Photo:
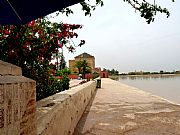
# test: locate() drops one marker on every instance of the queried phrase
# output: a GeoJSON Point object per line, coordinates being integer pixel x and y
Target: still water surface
{"type": "Point", "coordinates": [164, 86]}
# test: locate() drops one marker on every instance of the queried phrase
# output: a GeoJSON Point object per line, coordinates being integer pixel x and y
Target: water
{"type": "Point", "coordinates": [165, 86]}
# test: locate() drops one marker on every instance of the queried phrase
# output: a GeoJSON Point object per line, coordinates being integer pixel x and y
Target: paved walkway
{"type": "Point", "coordinates": [74, 82]}
{"type": "Point", "coordinates": [118, 109]}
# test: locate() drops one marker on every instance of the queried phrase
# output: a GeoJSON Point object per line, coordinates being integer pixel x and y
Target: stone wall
{"type": "Point", "coordinates": [71, 66]}
{"type": "Point", "coordinates": [55, 115]}
{"type": "Point", "coordinates": [60, 113]}
{"type": "Point", "coordinates": [17, 102]}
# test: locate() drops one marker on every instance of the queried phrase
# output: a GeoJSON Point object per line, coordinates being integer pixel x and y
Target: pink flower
{"type": "Point", "coordinates": [31, 23]}
{"type": "Point", "coordinates": [60, 35]}
{"type": "Point", "coordinates": [60, 45]}
{"type": "Point", "coordinates": [7, 32]}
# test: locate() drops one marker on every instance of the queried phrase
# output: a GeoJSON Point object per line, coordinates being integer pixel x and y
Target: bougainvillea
{"type": "Point", "coordinates": [32, 46]}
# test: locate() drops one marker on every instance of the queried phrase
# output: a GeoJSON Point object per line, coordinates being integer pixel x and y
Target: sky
{"type": "Point", "coordinates": [119, 38]}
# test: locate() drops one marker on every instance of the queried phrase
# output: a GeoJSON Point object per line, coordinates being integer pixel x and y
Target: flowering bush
{"type": "Point", "coordinates": [32, 46]}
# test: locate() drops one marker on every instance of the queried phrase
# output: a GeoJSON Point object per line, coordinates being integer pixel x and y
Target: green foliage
{"type": "Point", "coordinates": [176, 72]}
{"type": "Point", "coordinates": [87, 8]}
{"type": "Point", "coordinates": [60, 60]}
{"type": "Point", "coordinates": [65, 79]}
{"type": "Point", "coordinates": [112, 71]}
{"type": "Point", "coordinates": [147, 10]}
{"type": "Point", "coordinates": [85, 68]}
{"type": "Point", "coordinates": [62, 72]}
{"type": "Point", "coordinates": [95, 75]}
{"type": "Point", "coordinates": [82, 67]}
{"type": "Point", "coordinates": [151, 73]}
{"type": "Point", "coordinates": [88, 70]}
{"type": "Point", "coordinates": [67, 11]}
{"type": "Point", "coordinates": [78, 65]}
{"type": "Point", "coordinates": [67, 71]}
{"type": "Point", "coordinates": [52, 85]}
{"type": "Point", "coordinates": [65, 82]}
{"type": "Point", "coordinates": [48, 87]}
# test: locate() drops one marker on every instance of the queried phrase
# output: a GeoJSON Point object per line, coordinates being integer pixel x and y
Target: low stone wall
{"type": "Point", "coordinates": [60, 113]}
{"type": "Point", "coordinates": [17, 102]}
{"type": "Point", "coordinates": [55, 115]}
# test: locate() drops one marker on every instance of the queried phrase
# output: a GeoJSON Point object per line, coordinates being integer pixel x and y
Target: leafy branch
{"type": "Point", "coordinates": [147, 10]}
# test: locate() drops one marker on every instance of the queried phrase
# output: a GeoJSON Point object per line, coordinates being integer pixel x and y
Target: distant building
{"type": "Point", "coordinates": [91, 63]}
{"type": "Point", "coordinates": [104, 74]}
{"type": "Point", "coordinates": [84, 56]}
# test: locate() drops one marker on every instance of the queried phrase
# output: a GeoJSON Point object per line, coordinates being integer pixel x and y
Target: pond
{"type": "Point", "coordinates": [166, 86]}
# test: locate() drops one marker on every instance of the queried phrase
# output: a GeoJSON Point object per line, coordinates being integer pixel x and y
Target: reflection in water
{"type": "Point", "coordinates": [146, 77]}
{"type": "Point", "coordinates": [166, 86]}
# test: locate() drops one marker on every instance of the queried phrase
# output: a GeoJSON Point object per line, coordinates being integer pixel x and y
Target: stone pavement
{"type": "Point", "coordinates": [74, 82]}
{"type": "Point", "coordinates": [118, 109]}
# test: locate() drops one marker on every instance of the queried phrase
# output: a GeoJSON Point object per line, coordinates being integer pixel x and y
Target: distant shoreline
{"type": "Point", "coordinates": [115, 77]}
{"type": "Point", "coordinates": [154, 75]}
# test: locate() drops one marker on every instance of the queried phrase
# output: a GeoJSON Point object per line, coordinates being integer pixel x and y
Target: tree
{"type": "Point", "coordinates": [161, 71]}
{"type": "Point", "coordinates": [78, 65]}
{"type": "Point", "coordinates": [60, 61]}
{"type": "Point", "coordinates": [116, 72]}
{"type": "Point", "coordinates": [62, 64]}
{"type": "Point", "coordinates": [104, 69]}
{"type": "Point", "coordinates": [85, 68]}
{"type": "Point", "coordinates": [112, 71]}
{"type": "Point", "coordinates": [82, 67]}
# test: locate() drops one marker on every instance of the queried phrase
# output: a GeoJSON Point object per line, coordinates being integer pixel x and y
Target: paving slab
{"type": "Point", "coordinates": [119, 109]}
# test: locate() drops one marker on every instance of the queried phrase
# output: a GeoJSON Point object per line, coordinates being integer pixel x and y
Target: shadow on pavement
{"type": "Point", "coordinates": [79, 127]}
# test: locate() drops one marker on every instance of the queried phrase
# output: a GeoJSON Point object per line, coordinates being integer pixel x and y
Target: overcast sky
{"type": "Point", "coordinates": [119, 38]}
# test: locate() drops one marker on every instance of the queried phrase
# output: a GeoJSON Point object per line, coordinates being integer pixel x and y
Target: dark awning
{"type": "Point", "coordinates": [23, 11]}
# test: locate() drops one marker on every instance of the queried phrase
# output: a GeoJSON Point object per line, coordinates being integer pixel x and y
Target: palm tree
{"type": "Point", "coordinates": [85, 68]}
{"type": "Point", "coordinates": [82, 67]}
{"type": "Point", "coordinates": [78, 65]}
{"type": "Point", "coordinates": [60, 60]}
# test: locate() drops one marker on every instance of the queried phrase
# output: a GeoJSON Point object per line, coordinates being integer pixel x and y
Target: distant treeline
{"type": "Point", "coordinates": [150, 73]}
{"type": "Point", "coordinates": [112, 71]}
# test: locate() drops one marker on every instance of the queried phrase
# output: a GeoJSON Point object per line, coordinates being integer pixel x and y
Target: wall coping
{"type": "Point", "coordinates": [14, 79]}
{"type": "Point", "coordinates": [9, 69]}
